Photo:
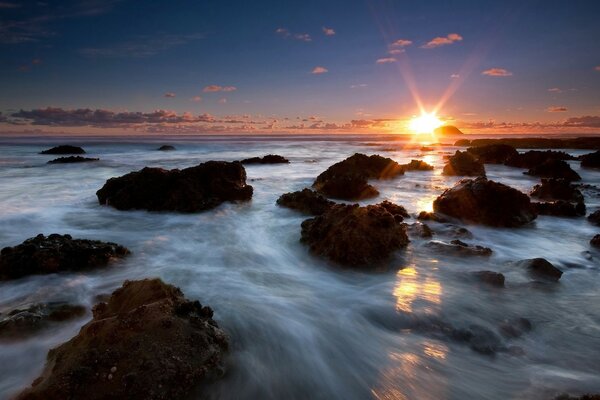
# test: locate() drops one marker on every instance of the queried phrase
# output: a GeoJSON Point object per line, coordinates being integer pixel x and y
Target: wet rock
{"type": "Point", "coordinates": [398, 211]}
{"type": "Point", "coordinates": [64, 149]}
{"type": "Point", "coordinates": [594, 217]}
{"type": "Point", "coordinates": [166, 147]}
{"type": "Point", "coordinates": [554, 169]}
{"type": "Point", "coordinates": [560, 208]}
{"type": "Point", "coordinates": [417, 165]}
{"type": "Point", "coordinates": [585, 142]}
{"type": "Point", "coordinates": [56, 253]}
{"type": "Point", "coordinates": [533, 158]}
{"type": "Point", "coordinates": [583, 397]}
{"type": "Point", "coordinates": [595, 241]}
{"type": "Point", "coordinates": [486, 202]}
{"type": "Point", "coordinates": [557, 189]}
{"type": "Point", "coordinates": [306, 201]}
{"type": "Point", "coordinates": [458, 247]}
{"type": "Point", "coordinates": [463, 164]}
{"type": "Point", "coordinates": [479, 338]}
{"type": "Point", "coordinates": [493, 153]}
{"type": "Point", "coordinates": [491, 278]}
{"type": "Point", "coordinates": [72, 159]}
{"type": "Point", "coordinates": [193, 189]}
{"type": "Point", "coordinates": [268, 159]}
{"type": "Point", "coordinates": [591, 160]}
{"type": "Point", "coordinates": [22, 323]}
{"type": "Point", "coordinates": [348, 179]}
{"type": "Point", "coordinates": [514, 328]}
{"type": "Point", "coordinates": [420, 230]}
{"type": "Point", "coordinates": [541, 268]}
{"type": "Point", "coordinates": [355, 236]}
{"type": "Point", "coordinates": [147, 342]}
{"type": "Point", "coordinates": [459, 232]}
{"type": "Point", "coordinates": [431, 216]}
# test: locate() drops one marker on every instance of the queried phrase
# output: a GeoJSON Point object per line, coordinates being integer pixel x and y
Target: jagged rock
{"type": "Point", "coordinates": [595, 241]}
{"type": "Point", "coordinates": [147, 342]}
{"type": "Point", "coordinates": [72, 159]}
{"type": "Point", "coordinates": [22, 323]}
{"type": "Point", "coordinates": [557, 189]}
{"type": "Point", "coordinates": [306, 200]}
{"type": "Point", "coordinates": [398, 211]}
{"type": "Point", "coordinates": [464, 164]}
{"type": "Point", "coordinates": [554, 169]}
{"type": "Point", "coordinates": [491, 278]}
{"type": "Point", "coordinates": [355, 236]}
{"type": "Point", "coordinates": [533, 158]}
{"type": "Point", "coordinates": [431, 216]}
{"type": "Point", "coordinates": [268, 159]}
{"type": "Point", "coordinates": [64, 149]}
{"type": "Point", "coordinates": [493, 153]}
{"type": "Point", "coordinates": [193, 189]}
{"type": "Point", "coordinates": [166, 147]}
{"type": "Point", "coordinates": [560, 208]}
{"type": "Point", "coordinates": [417, 165]}
{"type": "Point", "coordinates": [420, 230]}
{"type": "Point", "coordinates": [591, 160]}
{"type": "Point", "coordinates": [541, 268]}
{"type": "Point", "coordinates": [594, 217]}
{"type": "Point", "coordinates": [486, 202]}
{"type": "Point", "coordinates": [461, 248]}
{"type": "Point", "coordinates": [56, 253]}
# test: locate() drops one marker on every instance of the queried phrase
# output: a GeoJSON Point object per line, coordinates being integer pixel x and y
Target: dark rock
{"type": "Point", "coordinates": [591, 160]}
{"type": "Point", "coordinates": [595, 241]}
{"type": "Point", "coordinates": [56, 253]}
{"type": "Point", "coordinates": [417, 165]}
{"type": "Point", "coordinates": [533, 158]}
{"type": "Point", "coordinates": [166, 147]}
{"type": "Point", "coordinates": [459, 232]}
{"type": "Point", "coordinates": [147, 342]}
{"type": "Point", "coordinates": [462, 142]}
{"type": "Point", "coordinates": [447, 130]}
{"type": "Point", "coordinates": [557, 189]}
{"type": "Point", "coordinates": [514, 328]}
{"type": "Point", "coordinates": [64, 149]}
{"type": "Point", "coordinates": [21, 323]}
{"type": "Point", "coordinates": [583, 397]}
{"type": "Point", "coordinates": [460, 248]}
{"type": "Point", "coordinates": [560, 208]}
{"type": "Point", "coordinates": [463, 164]}
{"type": "Point", "coordinates": [193, 189]}
{"type": "Point", "coordinates": [594, 217]}
{"type": "Point", "coordinates": [554, 169]}
{"type": "Point", "coordinates": [398, 211]}
{"type": "Point", "coordinates": [493, 153]}
{"type": "Point", "coordinates": [486, 202]}
{"type": "Point", "coordinates": [489, 277]}
{"type": "Point", "coordinates": [586, 142]}
{"type": "Point", "coordinates": [307, 201]}
{"type": "Point", "coordinates": [353, 235]}
{"type": "Point", "coordinates": [420, 230]}
{"type": "Point", "coordinates": [348, 179]}
{"type": "Point", "coordinates": [431, 216]}
{"type": "Point", "coordinates": [542, 268]}
{"type": "Point", "coordinates": [72, 159]}
{"type": "Point", "coordinates": [268, 159]}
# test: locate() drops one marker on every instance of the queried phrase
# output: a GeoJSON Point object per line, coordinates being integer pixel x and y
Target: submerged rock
{"type": "Point", "coordinates": [515, 327]}
{"type": "Point", "coordinates": [193, 189]}
{"type": "Point", "coordinates": [464, 164]}
{"type": "Point", "coordinates": [64, 149]}
{"type": "Point", "coordinates": [431, 216]}
{"type": "Point", "coordinates": [146, 342]}
{"type": "Point", "coordinates": [306, 200]}
{"type": "Point", "coordinates": [268, 159]}
{"type": "Point", "coordinates": [355, 236]}
{"type": "Point", "coordinates": [541, 268]}
{"type": "Point", "coordinates": [348, 179]}
{"type": "Point", "coordinates": [56, 253]}
{"type": "Point", "coordinates": [534, 158]}
{"type": "Point", "coordinates": [493, 153]}
{"type": "Point", "coordinates": [554, 169]}
{"type": "Point", "coordinates": [557, 189]}
{"type": "Point", "coordinates": [594, 217]}
{"type": "Point", "coordinates": [486, 202]}
{"type": "Point", "coordinates": [22, 323]}
{"type": "Point", "coordinates": [421, 230]}
{"type": "Point", "coordinates": [591, 160]}
{"type": "Point", "coordinates": [461, 248]}
{"type": "Point", "coordinates": [489, 277]}
{"type": "Point", "coordinates": [417, 165]}
{"type": "Point", "coordinates": [72, 159]}
{"type": "Point", "coordinates": [166, 147]}
{"type": "Point", "coordinates": [595, 241]}
{"type": "Point", "coordinates": [560, 208]}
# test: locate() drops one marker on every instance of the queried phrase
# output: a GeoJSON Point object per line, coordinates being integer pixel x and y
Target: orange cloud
{"type": "Point", "coordinates": [396, 51]}
{"type": "Point", "coordinates": [402, 43]}
{"type": "Point", "coordinates": [497, 72]}
{"type": "Point", "coordinates": [555, 90]}
{"type": "Point", "coordinates": [386, 60]}
{"type": "Point", "coordinates": [217, 88]}
{"type": "Point", "coordinates": [319, 70]}
{"type": "Point", "coordinates": [556, 109]}
{"type": "Point", "coordinates": [196, 99]}
{"type": "Point", "coordinates": [442, 41]}
{"type": "Point", "coordinates": [328, 31]}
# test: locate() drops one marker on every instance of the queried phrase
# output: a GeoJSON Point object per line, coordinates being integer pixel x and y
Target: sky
{"type": "Point", "coordinates": [198, 67]}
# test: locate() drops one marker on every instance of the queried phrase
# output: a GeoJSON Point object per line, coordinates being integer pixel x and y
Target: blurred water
{"type": "Point", "coordinates": [301, 328]}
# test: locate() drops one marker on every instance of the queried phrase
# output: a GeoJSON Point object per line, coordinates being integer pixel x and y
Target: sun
{"type": "Point", "coordinates": [424, 124]}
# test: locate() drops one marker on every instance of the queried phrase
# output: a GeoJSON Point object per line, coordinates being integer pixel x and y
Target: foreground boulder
{"type": "Point", "coordinates": [146, 342]}
{"type": "Point", "coordinates": [541, 268]}
{"type": "Point", "coordinates": [493, 153]}
{"type": "Point", "coordinates": [64, 149]}
{"type": "Point", "coordinates": [554, 169]}
{"type": "Point", "coordinates": [557, 189]}
{"type": "Point", "coordinates": [591, 160]}
{"type": "Point", "coordinates": [22, 323]}
{"type": "Point", "coordinates": [306, 201]}
{"type": "Point", "coordinates": [268, 159]}
{"type": "Point", "coordinates": [56, 253]}
{"type": "Point", "coordinates": [594, 217]}
{"type": "Point", "coordinates": [355, 236]}
{"type": "Point", "coordinates": [198, 188]}
{"type": "Point", "coordinates": [166, 147]}
{"type": "Point", "coordinates": [534, 158]}
{"type": "Point", "coordinates": [348, 179]}
{"type": "Point", "coordinates": [464, 164]}
{"type": "Point", "coordinates": [72, 159]}
{"type": "Point", "coordinates": [486, 202]}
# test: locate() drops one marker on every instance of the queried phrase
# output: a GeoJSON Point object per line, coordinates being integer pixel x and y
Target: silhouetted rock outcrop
{"type": "Point", "coordinates": [560, 208]}
{"type": "Point", "coordinates": [586, 142]}
{"type": "Point", "coordinates": [489, 277]}
{"type": "Point", "coordinates": [557, 189]}
{"type": "Point", "coordinates": [193, 189]}
{"type": "Point", "coordinates": [268, 159]}
{"type": "Point", "coordinates": [541, 268]}
{"type": "Point", "coordinates": [166, 147]}
{"type": "Point", "coordinates": [486, 202]}
{"type": "Point", "coordinates": [417, 165]}
{"type": "Point", "coordinates": [554, 169]}
{"type": "Point", "coordinates": [591, 160]}
{"type": "Point", "coordinates": [306, 200]}
{"type": "Point", "coordinates": [493, 153]}
{"type": "Point", "coordinates": [24, 322]}
{"type": "Point", "coordinates": [533, 158]}
{"type": "Point", "coordinates": [462, 142]}
{"type": "Point", "coordinates": [64, 149]}
{"type": "Point", "coordinates": [594, 217]}
{"type": "Point", "coordinates": [464, 164]}
{"type": "Point", "coordinates": [56, 253]}
{"type": "Point", "coordinates": [72, 159]}
{"type": "Point", "coordinates": [146, 342]}
{"type": "Point", "coordinates": [447, 130]}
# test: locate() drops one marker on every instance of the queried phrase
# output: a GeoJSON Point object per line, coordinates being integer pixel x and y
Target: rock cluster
{"type": "Point", "coordinates": [306, 201]}
{"type": "Point", "coordinates": [268, 159]}
{"type": "Point", "coordinates": [64, 149]}
{"type": "Point", "coordinates": [463, 163]}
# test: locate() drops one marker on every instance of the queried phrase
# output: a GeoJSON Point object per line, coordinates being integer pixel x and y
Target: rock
{"type": "Point", "coordinates": [586, 142]}
{"type": "Point", "coordinates": [268, 159]}
{"type": "Point", "coordinates": [557, 189]}
{"type": "Point", "coordinates": [583, 397]}
{"type": "Point", "coordinates": [166, 147]}
{"type": "Point", "coordinates": [348, 179]}
{"type": "Point", "coordinates": [591, 160]}
{"type": "Point", "coordinates": [594, 217]}
{"type": "Point", "coordinates": [460, 248]}
{"type": "Point", "coordinates": [64, 149]}
{"type": "Point", "coordinates": [417, 165]}
{"type": "Point", "coordinates": [431, 216]}
{"type": "Point", "coordinates": [307, 201]}
{"type": "Point", "coordinates": [465, 164]}
{"type": "Point", "coordinates": [21, 323]}
{"type": "Point", "coordinates": [533, 158]}
{"type": "Point", "coordinates": [479, 338]}
{"type": "Point", "coordinates": [491, 278]}
{"type": "Point", "coordinates": [147, 342]}
{"type": "Point", "coordinates": [514, 328]}
{"type": "Point", "coordinates": [595, 241]}
{"type": "Point", "coordinates": [355, 236]}
{"type": "Point", "coordinates": [421, 230]}
{"type": "Point", "coordinates": [193, 189]}
{"type": "Point", "coordinates": [398, 211]}
{"type": "Point", "coordinates": [554, 169]}
{"type": "Point", "coordinates": [459, 232]}
{"type": "Point", "coordinates": [56, 253]}
{"type": "Point", "coordinates": [447, 130]}
{"type": "Point", "coordinates": [541, 268]}
{"type": "Point", "coordinates": [486, 202]}
{"type": "Point", "coordinates": [462, 142]}
{"type": "Point", "coordinates": [493, 153]}
{"type": "Point", "coordinates": [72, 159]}
{"type": "Point", "coordinates": [560, 208]}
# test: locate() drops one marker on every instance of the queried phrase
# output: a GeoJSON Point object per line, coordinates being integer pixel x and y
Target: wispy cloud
{"type": "Point", "coordinates": [442, 41]}
{"type": "Point", "coordinates": [556, 109]}
{"type": "Point", "coordinates": [170, 94]}
{"type": "Point", "coordinates": [455, 76]}
{"type": "Point", "coordinates": [386, 60]}
{"type": "Point", "coordinates": [401, 43]}
{"type": "Point", "coordinates": [360, 85]}
{"type": "Point", "coordinates": [328, 31]}
{"type": "Point", "coordinates": [396, 51]}
{"type": "Point", "coordinates": [319, 70]}
{"type": "Point", "coordinates": [497, 72]}
{"type": "Point", "coordinates": [196, 99]}
{"type": "Point", "coordinates": [141, 46]}
{"type": "Point", "coordinates": [218, 88]}
{"type": "Point", "coordinates": [285, 33]}
{"type": "Point", "coordinates": [305, 37]}
{"type": "Point", "coordinates": [555, 90]}
{"type": "Point", "coordinates": [223, 101]}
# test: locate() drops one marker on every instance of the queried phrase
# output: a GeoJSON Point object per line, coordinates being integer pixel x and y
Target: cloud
{"type": "Point", "coordinates": [169, 94]}
{"type": "Point", "coordinates": [584, 122]}
{"type": "Point", "coordinates": [497, 72]}
{"type": "Point", "coordinates": [442, 41]}
{"type": "Point", "coordinates": [222, 101]}
{"type": "Point", "coordinates": [196, 99]}
{"type": "Point", "coordinates": [305, 37]}
{"type": "Point", "coordinates": [141, 46]}
{"type": "Point", "coordinates": [556, 109]}
{"type": "Point", "coordinates": [455, 76]}
{"type": "Point", "coordinates": [328, 31]}
{"type": "Point", "coordinates": [218, 88]}
{"type": "Point", "coordinates": [555, 90]}
{"type": "Point", "coordinates": [319, 70]}
{"type": "Point", "coordinates": [396, 51]}
{"type": "Point", "coordinates": [285, 33]}
{"type": "Point", "coordinates": [386, 60]}
{"type": "Point", "coordinates": [360, 85]}
{"type": "Point", "coordinates": [282, 32]}
{"type": "Point", "coordinates": [402, 43]}
{"type": "Point", "coordinates": [597, 68]}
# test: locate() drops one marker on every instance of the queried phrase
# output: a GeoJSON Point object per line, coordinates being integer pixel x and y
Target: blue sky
{"type": "Point", "coordinates": [125, 56]}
